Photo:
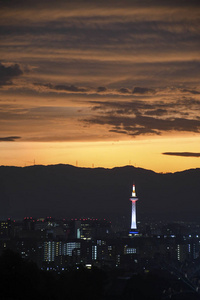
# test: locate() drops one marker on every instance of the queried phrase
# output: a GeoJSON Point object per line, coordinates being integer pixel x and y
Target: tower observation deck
{"type": "Point", "coordinates": [133, 199]}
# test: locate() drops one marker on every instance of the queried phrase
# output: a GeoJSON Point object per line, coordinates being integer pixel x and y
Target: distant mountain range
{"type": "Point", "coordinates": [68, 191]}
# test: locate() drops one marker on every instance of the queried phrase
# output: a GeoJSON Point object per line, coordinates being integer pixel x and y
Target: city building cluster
{"type": "Point", "coordinates": [62, 244]}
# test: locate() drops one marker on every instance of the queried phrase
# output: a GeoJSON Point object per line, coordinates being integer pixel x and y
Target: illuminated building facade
{"type": "Point", "coordinates": [133, 199]}
{"type": "Point", "coordinates": [49, 251]}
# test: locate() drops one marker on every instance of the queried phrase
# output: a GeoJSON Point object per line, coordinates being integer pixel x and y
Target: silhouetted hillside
{"type": "Point", "coordinates": [64, 190]}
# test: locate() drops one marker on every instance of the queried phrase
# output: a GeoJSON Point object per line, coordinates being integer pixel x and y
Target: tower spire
{"type": "Point", "coordinates": [133, 192]}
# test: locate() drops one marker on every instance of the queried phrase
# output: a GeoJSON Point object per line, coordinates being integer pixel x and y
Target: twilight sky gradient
{"type": "Point", "coordinates": [104, 83]}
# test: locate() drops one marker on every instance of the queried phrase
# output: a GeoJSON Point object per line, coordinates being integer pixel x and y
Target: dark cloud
{"type": "Point", "coordinates": [101, 89]}
{"type": "Point", "coordinates": [194, 92]}
{"type": "Point", "coordinates": [7, 73]}
{"type": "Point", "coordinates": [156, 112]}
{"type": "Point", "coordinates": [141, 125]}
{"type": "Point", "coordinates": [66, 88]}
{"type": "Point", "coordinates": [9, 138]}
{"type": "Point", "coordinates": [121, 107]}
{"type": "Point", "coordinates": [143, 90]}
{"type": "Point", "coordinates": [141, 117]}
{"type": "Point", "coordinates": [157, 108]}
{"type": "Point", "coordinates": [185, 154]}
{"type": "Point", "coordinates": [71, 88]}
{"type": "Point", "coordinates": [124, 91]}
{"type": "Point", "coordinates": [92, 90]}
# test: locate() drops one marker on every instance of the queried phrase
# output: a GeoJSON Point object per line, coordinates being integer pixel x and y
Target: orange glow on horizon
{"type": "Point", "coordinates": [144, 154]}
{"type": "Point", "coordinates": [100, 84]}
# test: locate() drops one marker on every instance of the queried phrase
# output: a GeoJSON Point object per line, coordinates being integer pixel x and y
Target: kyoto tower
{"type": "Point", "coordinates": [133, 198]}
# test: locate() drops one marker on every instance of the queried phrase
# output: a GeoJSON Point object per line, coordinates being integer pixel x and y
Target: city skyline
{"type": "Point", "coordinates": [100, 83]}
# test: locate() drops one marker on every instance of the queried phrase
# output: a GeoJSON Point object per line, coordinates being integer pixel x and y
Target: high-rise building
{"type": "Point", "coordinates": [49, 251]}
{"type": "Point", "coordinates": [133, 199]}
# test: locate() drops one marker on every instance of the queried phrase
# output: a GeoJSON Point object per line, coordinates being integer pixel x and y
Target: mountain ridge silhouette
{"type": "Point", "coordinates": [68, 191]}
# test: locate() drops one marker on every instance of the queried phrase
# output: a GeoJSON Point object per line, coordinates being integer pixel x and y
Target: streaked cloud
{"type": "Point", "coordinates": [94, 90]}
{"type": "Point", "coordinates": [41, 10]}
{"type": "Point", "coordinates": [136, 118]}
{"type": "Point", "coordinates": [184, 154]}
{"type": "Point", "coordinates": [9, 138]}
{"type": "Point", "coordinates": [143, 90]}
{"type": "Point", "coordinates": [143, 125]}
{"type": "Point", "coordinates": [95, 70]}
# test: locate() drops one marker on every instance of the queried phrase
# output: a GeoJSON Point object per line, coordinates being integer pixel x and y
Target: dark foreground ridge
{"type": "Point", "coordinates": [67, 191]}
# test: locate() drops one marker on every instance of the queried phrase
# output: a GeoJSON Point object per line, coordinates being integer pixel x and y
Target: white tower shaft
{"type": "Point", "coordinates": [133, 199]}
{"type": "Point", "coordinates": [133, 216]}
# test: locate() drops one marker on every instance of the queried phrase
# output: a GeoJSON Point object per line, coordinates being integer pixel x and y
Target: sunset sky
{"type": "Point", "coordinates": [100, 83]}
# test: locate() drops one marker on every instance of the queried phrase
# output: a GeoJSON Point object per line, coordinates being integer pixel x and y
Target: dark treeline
{"type": "Point", "coordinates": [20, 279]}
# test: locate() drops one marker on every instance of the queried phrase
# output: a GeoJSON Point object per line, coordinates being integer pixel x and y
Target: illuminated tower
{"type": "Point", "coordinates": [133, 199]}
